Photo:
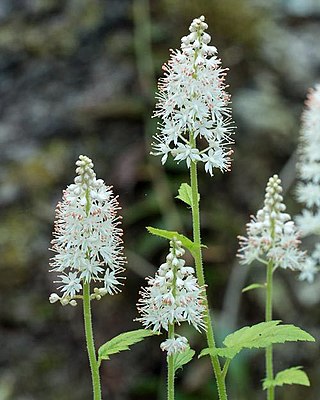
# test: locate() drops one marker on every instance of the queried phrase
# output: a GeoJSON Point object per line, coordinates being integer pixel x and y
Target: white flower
{"type": "Point", "coordinates": [271, 235]}
{"type": "Point", "coordinates": [308, 189]}
{"type": "Point", "coordinates": [87, 236]}
{"type": "Point", "coordinates": [309, 270]}
{"type": "Point", "coordinates": [70, 284]}
{"type": "Point", "coordinates": [194, 105]}
{"type": "Point", "coordinates": [175, 345]}
{"type": "Point", "coordinates": [173, 295]}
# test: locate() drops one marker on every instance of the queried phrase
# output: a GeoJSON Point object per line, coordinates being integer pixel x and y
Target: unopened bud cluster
{"type": "Point", "coordinates": [87, 237]}
{"type": "Point", "coordinates": [171, 297]}
{"type": "Point", "coordinates": [193, 103]}
{"type": "Point", "coordinates": [272, 235]}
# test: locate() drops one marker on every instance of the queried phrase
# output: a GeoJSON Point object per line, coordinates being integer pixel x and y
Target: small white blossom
{"type": "Point", "coordinates": [175, 345]}
{"type": "Point", "coordinates": [308, 189]}
{"type": "Point", "coordinates": [194, 105]}
{"type": "Point", "coordinates": [87, 236]}
{"type": "Point", "coordinates": [271, 235]}
{"type": "Point", "coordinates": [173, 295]}
{"type": "Point", "coordinates": [309, 270]}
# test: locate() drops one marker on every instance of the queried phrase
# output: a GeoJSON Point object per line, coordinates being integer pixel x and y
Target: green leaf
{"type": "Point", "coordinates": [253, 286]}
{"type": "Point", "coordinates": [122, 342]}
{"type": "Point", "coordinates": [180, 359]}
{"type": "Point", "coordinates": [185, 194]}
{"type": "Point", "coordinates": [259, 336]}
{"type": "Point", "coordinates": [288, 376]}
{"type": "Point", "coordinates": [218, 351]}
{"type": "Point", "coordinates": [264, 334]}
{"type": "Point", "coordinates": [187, 243]}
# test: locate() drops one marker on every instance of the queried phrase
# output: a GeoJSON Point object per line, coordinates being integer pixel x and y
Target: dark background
{"type": "Point", "coordinates": [78, 77]}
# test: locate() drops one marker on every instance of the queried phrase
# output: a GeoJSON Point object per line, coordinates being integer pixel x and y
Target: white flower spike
{"type": "Point", "coordinates": [87, 237]}
{"type": "Point", "coordinates": [308, 190]}
{"type": "Point", "coordinates": [172, 296]}
{"type": "Point", "coordinates": [271, 235]}
{"type": "Point", "coordinates": [194, 105]}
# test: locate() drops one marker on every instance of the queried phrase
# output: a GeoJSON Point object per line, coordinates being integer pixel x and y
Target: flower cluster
{"type": "Point", "coordinates": [194, 105]}
{"type": "Point", "coordinates": [87, 237]}
{"type": "Point", "coordinates": [172, 296]}
{"type": "Point", "coordinates": [176, 345]}
{"type": "Point", "coordinates": [271, 235]}
{"type": "Point", "coordinates": [308, 190]}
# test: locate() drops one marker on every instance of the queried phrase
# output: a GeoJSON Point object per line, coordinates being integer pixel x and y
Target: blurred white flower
{"type": "Point", "coordinates": [172, 296]}
{"type": "Point", "coordinates": [87, 236]}
{"type": "Point", "coordinates": [194, 105]}
{"type": "Point", "coordinates": [271, 235]}
{"type": "Point", "coordinates": [308, 166]}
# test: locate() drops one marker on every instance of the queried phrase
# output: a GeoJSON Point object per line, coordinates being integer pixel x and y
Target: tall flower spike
{"type": "Point", "coordinates": [194, 105]}
{"type": "Point", "coordinates": [172, 296]}
{"type": "Point", "coordinates": [271, 235]}
{"type": "Point", "coordinates": [308, 190]}
{"type": "Point", "coordinates": [87, 237]}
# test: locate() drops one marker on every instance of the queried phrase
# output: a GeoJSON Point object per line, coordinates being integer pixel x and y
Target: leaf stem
{"type": "Point", "coordinates": [200, 275]}
{"type": "Point", "coordinates": [225, 368]}
{"type": "Point", "coordinates": [90, 343]}
{"type": "Point", "coordinates": [170, 360]}
{"type": "Point", "coordinates": [269, 355]}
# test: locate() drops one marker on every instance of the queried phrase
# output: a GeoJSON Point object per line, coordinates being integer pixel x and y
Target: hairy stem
{"type": "Point", "coordinates": [90, 343]}
{"type": "Point", "coordinates": [200, 275]}
{"type": "Point", "coordinates": [269, 361]}
{"type": "Point", "coordinates": [170, 367]}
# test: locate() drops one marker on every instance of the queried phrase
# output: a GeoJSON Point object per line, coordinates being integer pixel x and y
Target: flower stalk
{"type": "Point", "coordinates": [95, 376]}
{"type": "Point", "coordinates": [220, 378]}
{"type": "Point", "coordinates": [170, 362]}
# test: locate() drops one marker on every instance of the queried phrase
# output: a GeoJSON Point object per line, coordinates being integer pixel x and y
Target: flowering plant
{"type": "Point", "coordinates": [273, 240]}
{"type": "Point", "coordinates": [196, 127]}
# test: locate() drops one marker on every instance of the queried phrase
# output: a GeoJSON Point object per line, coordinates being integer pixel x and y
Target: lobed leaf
{"type": "Point", "coordinates": [265, 334]}
{"type": "Point", "coordinates": [122, 342]}
{"type": "Point", "coordinates": [185, 194]}
{"type": "Point", "coordinates": [180, 359]}
{"type": "Point", "coordinates": [288, 376]}
{"type": "Point", "coordinates": [258, 336]}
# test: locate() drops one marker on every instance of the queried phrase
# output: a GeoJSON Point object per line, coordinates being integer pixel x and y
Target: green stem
{"type": "Point", "coordinates": [221, 384]}
{"type": "Point", "coordinates": [90, 343]}
{"type": "Point", "coordinates": [226, 367]}
{"type": "Point", "coordinates": [171, 367]}
{"type": "Point", "coordinates": [269, 361]}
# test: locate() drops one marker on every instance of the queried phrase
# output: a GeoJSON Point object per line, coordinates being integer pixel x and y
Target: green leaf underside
{"type": "Point", "coordinates": [122, 342]}
{"type": "Point", "coordinates": [258, 336]}
{"type": "Point", "coordinates": [185, 194]}
{"type": "Point", "coordinates": [253, 286]}
{"type": "Point", "coordinates": [288, 376]}
{"type": "Point", "coordinates": [180, 359]}
{"type": "Point", "coordinates": [187, 243]}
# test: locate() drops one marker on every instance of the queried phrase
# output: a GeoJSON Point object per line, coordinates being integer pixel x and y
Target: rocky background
{"type": "Point", "coordinates": [78, 77]}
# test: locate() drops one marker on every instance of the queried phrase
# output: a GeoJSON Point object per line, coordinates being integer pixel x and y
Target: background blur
{"type": "Point", "coordinates": [78, 77]}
